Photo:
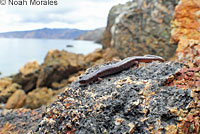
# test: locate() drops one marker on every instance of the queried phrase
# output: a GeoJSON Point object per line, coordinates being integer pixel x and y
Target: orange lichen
{"type": "Point", "coordinates": [189, 119]}
{"type": "Point", "coordinates": [171, 129]}
{"type": "Point", "coordinates": [186, 22]}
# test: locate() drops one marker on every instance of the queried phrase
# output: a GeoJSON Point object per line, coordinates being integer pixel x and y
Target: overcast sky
{"type": "Point", "coordinates": [81, 14]}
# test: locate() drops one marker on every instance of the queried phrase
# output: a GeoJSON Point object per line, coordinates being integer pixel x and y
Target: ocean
{"type": "Point", "coordinates": [15, 53]}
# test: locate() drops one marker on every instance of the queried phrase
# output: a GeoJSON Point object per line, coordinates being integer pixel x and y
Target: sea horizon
{"type": "Point", "coordinates": [16, 52]}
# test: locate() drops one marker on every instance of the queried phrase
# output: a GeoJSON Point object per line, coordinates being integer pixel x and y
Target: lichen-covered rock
{"type": "Point", "coordinates": [141, 27]}
{"type": "Point", "coordinates": [19, 121]}
{"type": "Point", "coordinates": [17, 100]}
{"type": "Point", "coordinates": [7, 88]}
{"type": "Point", "coordinates": [58, 65]}
{"type": "Point", "coordinates": [38, 97]}
{"type": "Point", "coordinates": [188, 52]}
{"type": "Point", "coordinates": [133, 101]}
{"type": "Point", "coordinates": [154, 98]}
{"type": "Point", "coordinates": [189, 120]}
{"type": "Point", "coordinates": [185, 23]}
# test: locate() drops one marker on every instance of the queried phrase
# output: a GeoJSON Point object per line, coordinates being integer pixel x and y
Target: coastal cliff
{"type": "Point", "coordinates": [45, 33]}
{"type": "Point", "coordinates": [140, 27]}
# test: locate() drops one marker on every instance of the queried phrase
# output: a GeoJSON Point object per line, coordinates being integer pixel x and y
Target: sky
{"type": "Point", "coordinates": [81, 14]}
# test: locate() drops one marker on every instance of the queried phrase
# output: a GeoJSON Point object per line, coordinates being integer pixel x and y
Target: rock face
{"type": "Point", "coordinates": [140, 27]}
{"type": "Point", "coordinates": [188, 52]}
{"type": "Point", "coordinates": [186, 24]}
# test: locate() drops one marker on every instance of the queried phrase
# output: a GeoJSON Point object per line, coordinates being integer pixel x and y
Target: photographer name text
{"type": "Point", "coordinates": [32, 2]}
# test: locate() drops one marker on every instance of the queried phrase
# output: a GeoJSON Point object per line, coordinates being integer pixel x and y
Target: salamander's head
{"type": "Point", "coordinates": [155, 56]}
{"type": "Point", "coordinates": [82, 80]}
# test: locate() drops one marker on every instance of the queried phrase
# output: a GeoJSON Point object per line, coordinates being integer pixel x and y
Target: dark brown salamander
{"type": "Point", "coordinates": [118, 67]}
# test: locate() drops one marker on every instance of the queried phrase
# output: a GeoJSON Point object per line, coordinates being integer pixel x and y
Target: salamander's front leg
{"type": "Point", "coordinates": [136, 65]}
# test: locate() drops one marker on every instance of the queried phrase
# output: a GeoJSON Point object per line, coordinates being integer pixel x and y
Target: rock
{"type": "Point", "coordinates": [19, 120]}
{"type": "Point", "coordinates": [28, 76]}
{"type": "Point", "coordinates": [140, 27]}
{"type": "Point", "coordinates": [7, 88]}
{"type": "Point", "coordinates": [38, 97]}
{"type": "Point", "coordinates": [188, 52]}
{"type": "Point", "coordinates": [133, 101]}
{"type": "Point", "coordinates": [149, 99]}
{"type": "Point", "coordinates": [185, 23]}
{"type": "Point", "coordinates": [29, 68]}
{"type": "Point", "coordinates": [17, 100]}
{"type": "Point", "coordinates": [58, 65]}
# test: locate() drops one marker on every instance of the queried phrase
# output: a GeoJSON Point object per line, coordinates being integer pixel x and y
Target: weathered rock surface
{"type": "Point", "coordinates": [7, 88]}
{"type": "Point", "coordinates": [186, 24]}
{"type": "Point", "coordinates": [141, 27]}
{"type": "Point", "coordinates": [134, 101]}
{"type": "Point", "coordinates": [188, 120]}
{"type": "Point", "coordinates": [143, 100]}
{"type": "Point", "coordinates": [188, 52]}
{"type": "Point", "coordinates": [19, 121]}
{"type": "Point", "coordinates": [17, 100]}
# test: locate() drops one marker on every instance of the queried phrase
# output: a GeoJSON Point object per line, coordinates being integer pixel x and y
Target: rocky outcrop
{"type": "Point", "coordinates": [140, 27]}
{"type": "Point", "coordinates": [28, 75]}
{"type": "Point", "coordinates": [148, 99]}
{"type": "Point", "coordinates": [186, 24]}
{"type": "Point", "coordinates": [58, 65]}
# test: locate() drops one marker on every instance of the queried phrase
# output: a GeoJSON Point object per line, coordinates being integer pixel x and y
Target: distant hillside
{"type": "Point", "coordinates": [93, 35]}
{"type": "Point", "coordinates": [46, 33]}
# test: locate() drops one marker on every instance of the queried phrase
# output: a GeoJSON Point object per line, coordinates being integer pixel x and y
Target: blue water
{"type": "Point", "coordinates": [15, 53]}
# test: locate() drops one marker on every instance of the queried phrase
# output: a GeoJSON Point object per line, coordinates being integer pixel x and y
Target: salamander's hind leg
{"type": "Point", "coordinates": [98, 80]}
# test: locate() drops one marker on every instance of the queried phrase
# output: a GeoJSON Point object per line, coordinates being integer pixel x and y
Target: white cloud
{"type": "Point", "coordinates": [82, 14]}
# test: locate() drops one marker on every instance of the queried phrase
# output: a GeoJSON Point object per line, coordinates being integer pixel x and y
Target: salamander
{"type": "Point", "coordinates": [117, 67]}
